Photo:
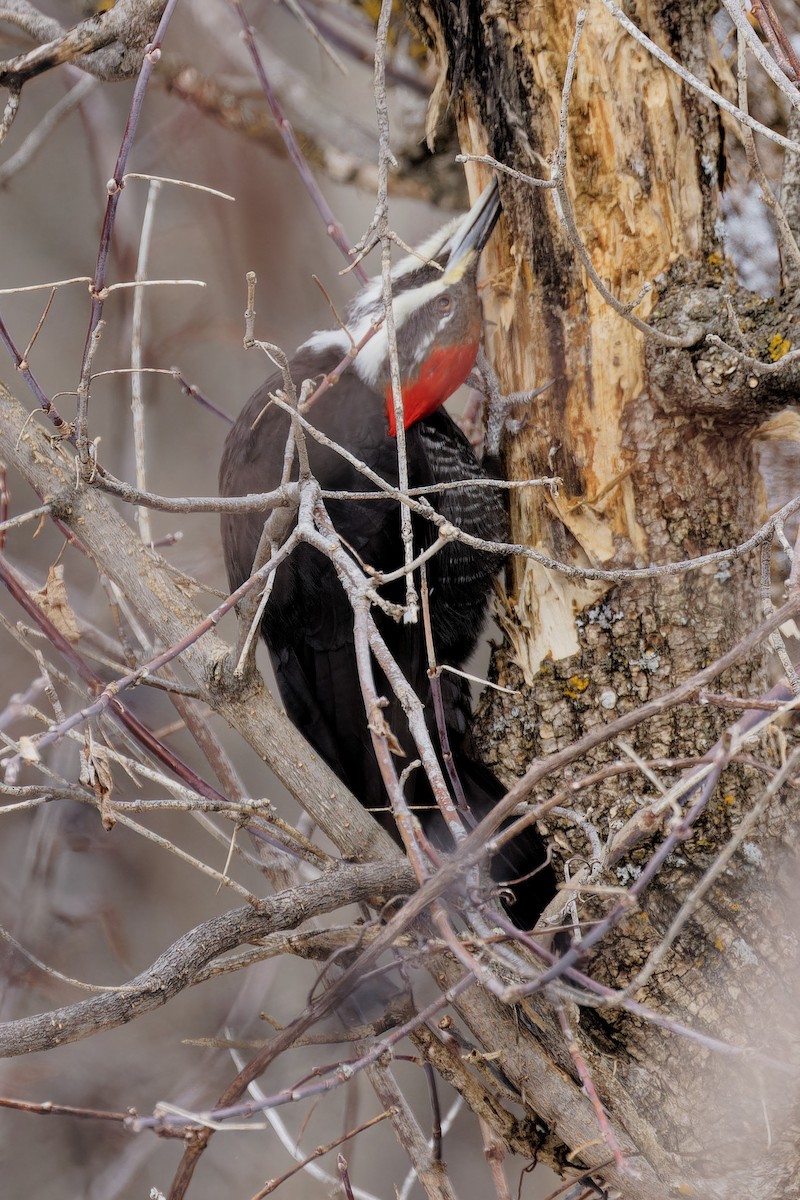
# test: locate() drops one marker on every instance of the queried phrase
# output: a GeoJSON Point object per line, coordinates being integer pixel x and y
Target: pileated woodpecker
{"type": "Point", "coordinates": [308, 621]}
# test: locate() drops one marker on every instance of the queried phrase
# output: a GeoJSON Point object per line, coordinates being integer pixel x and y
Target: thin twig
{"type": "Point", "coordinates": [332, 225]}
{"type": "Point", "coordinates": [381, 232]}
{"type": "Point", "coordinates": [693, 82]}
{"type": "Point", "coordinates": [137, 402]}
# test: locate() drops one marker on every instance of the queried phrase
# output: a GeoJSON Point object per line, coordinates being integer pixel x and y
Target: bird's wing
{"type": "Point", "coordinates": [308, 623]}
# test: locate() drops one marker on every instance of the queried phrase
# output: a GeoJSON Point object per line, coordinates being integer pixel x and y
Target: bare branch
{"type": "Point", "coordinates": [177, 967]}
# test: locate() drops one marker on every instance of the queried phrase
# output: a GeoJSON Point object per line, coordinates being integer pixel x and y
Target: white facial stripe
{"type": "Point", "coordinates": [370, 295]}
{"type": "Point", "coordinates": [424, 344]}
{"type": "Point", "coordinates": [411, 301]}
{"type": "Point", "coordinates": [326, 339]}
{"type": "Point", "coordinates": [371, 360]}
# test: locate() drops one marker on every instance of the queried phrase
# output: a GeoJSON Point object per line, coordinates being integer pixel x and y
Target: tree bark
{"type": "Point", "coordinates": [657, 450]}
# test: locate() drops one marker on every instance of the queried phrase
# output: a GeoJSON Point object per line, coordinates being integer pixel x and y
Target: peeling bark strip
{"type": "Point", "coordinates": [657, 451]}
{"type": "Point", "coordinates": [642, 200]}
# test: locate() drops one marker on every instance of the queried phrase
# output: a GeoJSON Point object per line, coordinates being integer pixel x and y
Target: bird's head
{"type": "Point", "coordinates": [437, 315]}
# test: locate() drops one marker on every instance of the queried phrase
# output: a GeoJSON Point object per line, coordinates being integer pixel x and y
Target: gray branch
{"type": "Point", "coordinates": [108, 45]}
{"type": "Point", "coordinates": [148, 583]}
{"type": "Point", "coordinates": [179, 966]}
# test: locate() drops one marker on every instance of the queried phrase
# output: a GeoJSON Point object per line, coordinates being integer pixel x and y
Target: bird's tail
{"type": "Point", "coordinates": [522, 870]}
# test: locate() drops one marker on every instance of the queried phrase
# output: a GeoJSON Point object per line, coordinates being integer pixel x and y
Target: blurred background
{"type": "Point", "coordinates": [97, 906]}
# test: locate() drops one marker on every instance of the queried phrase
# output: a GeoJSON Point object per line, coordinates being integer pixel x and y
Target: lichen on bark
{"type": "Point", "coordinates": [658, 452]}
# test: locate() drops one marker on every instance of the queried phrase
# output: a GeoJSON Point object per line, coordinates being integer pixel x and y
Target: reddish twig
{"type": "Point", "coordinates": [114, 188]}
{"type": "Point", "coordinates": [779, 40]}
{"type": "Point", "coordinates": [63, 427]}
{"type": "Point", "coordinates": [143, 735]}
{"type": "Point", "coordinates": [227, 1106]}
{"type": "Point", "coordinates": [588, 1084]}
{"type": "Point", "coordinates": [341, 1163]}
{"type": "Point", "coordinates": [4, 502]}
{"type": "Point", "coordinates": [108, 697]}
{"type": "Point", "coordinates": [436, 1112]}
{"type": "Point", "coordinates": [333, 226]}
{"type": "Point", "coordinates": [48, 1109]}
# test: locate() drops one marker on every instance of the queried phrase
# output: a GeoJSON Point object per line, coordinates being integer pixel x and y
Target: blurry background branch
{"type": "Point", "coordinates": [109, 44]}
{"type": "Point", "coordinates": [663, 455]}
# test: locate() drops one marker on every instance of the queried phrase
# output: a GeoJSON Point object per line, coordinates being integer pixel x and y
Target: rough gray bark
{"type": "Point", "coordinates": [657, 450]}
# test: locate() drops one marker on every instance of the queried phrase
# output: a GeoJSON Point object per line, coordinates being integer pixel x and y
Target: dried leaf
{"type": "Point", "coordinates": [96, 774]}
{"type": "Point", "coordinates": [27, 750]}
{"type": "Point", "coordinates": [379, 726]}
{"type": "Point", "coordinates": [52, 600]}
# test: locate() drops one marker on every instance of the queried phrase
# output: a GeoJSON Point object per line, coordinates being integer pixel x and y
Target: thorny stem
{"type": "Point", "coordinates": [332, 225]}
{"type": "Point", "coordinates": [381, 229]}
{"type": "Point", "coordinates": [114, 187]}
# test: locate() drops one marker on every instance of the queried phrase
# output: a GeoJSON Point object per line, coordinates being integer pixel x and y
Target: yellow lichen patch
{"type": "Point", "coordinates": [576, 684]}
{"type": "Point", "coordinates": [778, 346]}
{"type": "Point", "coordinates": [728, 798]}
{"type": "Point", "coordinates": [719, 944]}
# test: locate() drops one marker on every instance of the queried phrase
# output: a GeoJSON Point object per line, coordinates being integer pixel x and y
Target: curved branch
{"type": "Point", "coordinates": [121, 34]}
{"type": "Point", "coordinates": [180, 965]}
{"type": "Point", "coordinates": [147, 582]}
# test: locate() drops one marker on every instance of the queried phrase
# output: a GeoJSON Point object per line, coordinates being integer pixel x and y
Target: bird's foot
{"type": "Point", "coordinates": [498, 406]}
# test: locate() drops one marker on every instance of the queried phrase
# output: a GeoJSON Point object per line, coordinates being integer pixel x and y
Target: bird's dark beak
{"type": "Point", "coordinates": [465, 245]}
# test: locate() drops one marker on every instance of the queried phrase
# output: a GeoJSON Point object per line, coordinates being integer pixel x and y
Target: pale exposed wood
{"type": "Point", "coordinates": [633, 180]}
{"type": "Point", "coordinates": [656, 448]}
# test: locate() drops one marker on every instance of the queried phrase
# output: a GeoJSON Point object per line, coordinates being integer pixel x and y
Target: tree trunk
{"type": "Point", "coordinates": [656, 447]}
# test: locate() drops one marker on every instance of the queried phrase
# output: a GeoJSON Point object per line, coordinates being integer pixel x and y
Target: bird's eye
{"type": "Point", "coordinates": [444, 303]}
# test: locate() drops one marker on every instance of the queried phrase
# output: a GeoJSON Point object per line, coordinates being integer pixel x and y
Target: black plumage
{"type": "Point", "coordinates": [308, 624]}
{"type": "Point", "coordinates": [308, 621]}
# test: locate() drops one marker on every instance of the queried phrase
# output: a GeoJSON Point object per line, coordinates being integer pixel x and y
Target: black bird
{"type": "Point", "coordinates": [308, 622]}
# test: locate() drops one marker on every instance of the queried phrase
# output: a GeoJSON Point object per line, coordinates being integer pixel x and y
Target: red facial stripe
{"type": "Point", "coordinates": [443, 371]}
